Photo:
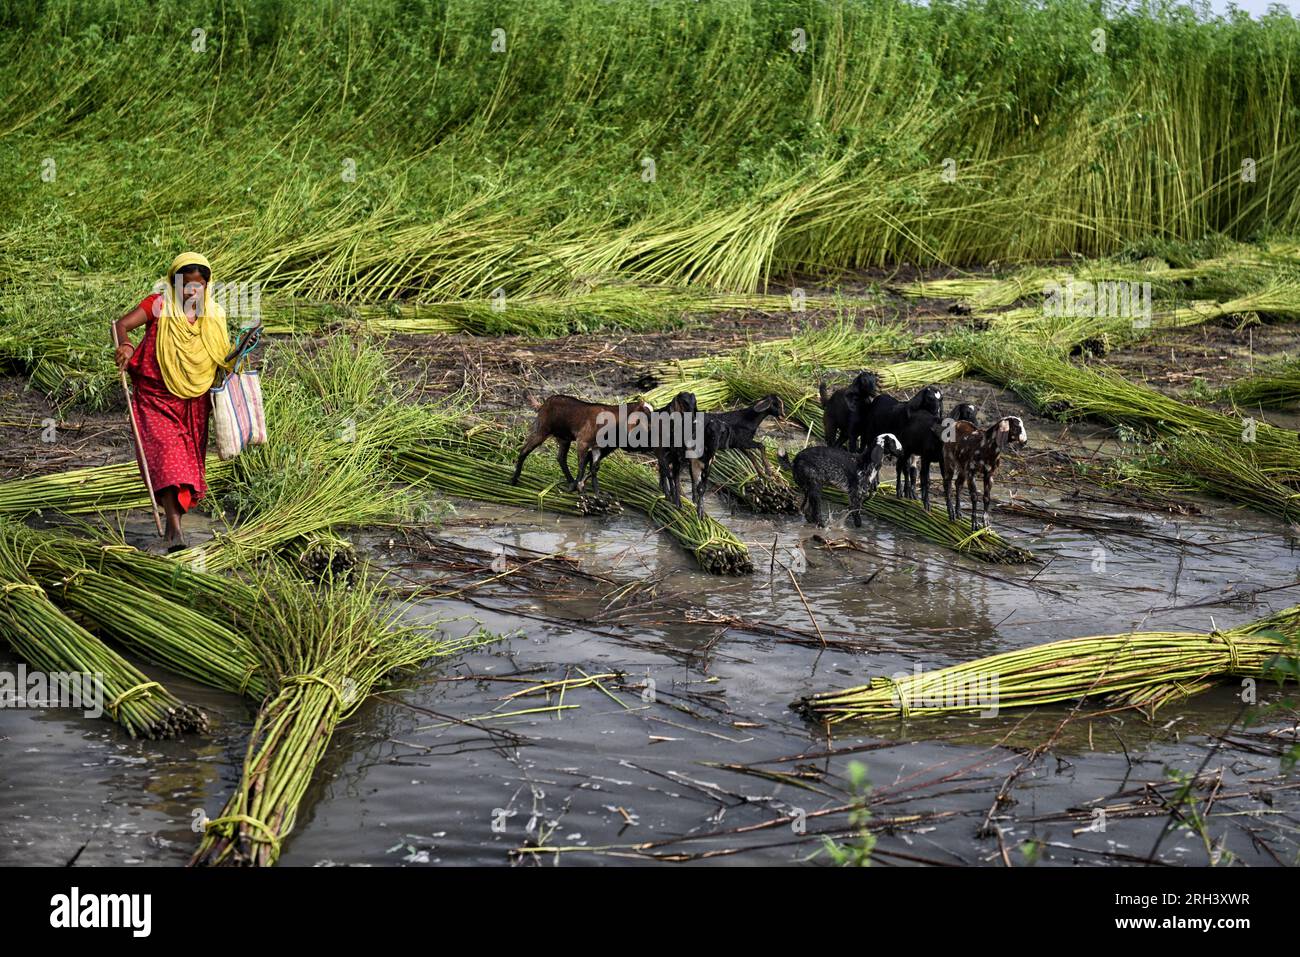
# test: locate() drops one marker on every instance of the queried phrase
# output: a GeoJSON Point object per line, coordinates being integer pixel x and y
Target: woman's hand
{"type": "Point", "coordinates": [122, 348]}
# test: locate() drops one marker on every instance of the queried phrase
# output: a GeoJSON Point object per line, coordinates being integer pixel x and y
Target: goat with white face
{"type": "Point", "coordinates": [975, 451]}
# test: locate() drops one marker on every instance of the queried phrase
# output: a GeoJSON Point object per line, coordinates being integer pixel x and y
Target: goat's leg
{"type": "Point", "coordinates": [954, 511]}
{"type": "Point", "coordinates": [563, 458]}
{"type": "Point", "coordinates": [947, 499]}
{"type": "Point", "coordinates": [925, 483]}
{"type": "Point", "coordinates": [900, 482]}
{"type": "Point", "coordinates": [664, 464]}
{"type": "Point", "coordinates": [699, 475]}
{"type": "Point", "coordinates": [855, 503]}
{"type": "Point", "coordinates": [584, 459]}
{"type": "Point", "coordinates": [858, 439]}
{"type": "Point", "coordinates": [595, 463]}
{"type": "Point", "coordinates": [815, 502]}
{"type": "Point", "coordinates": [669, 474]}
{"type": "Point", "coordinates": [533, 440]}
{"type": "Point", "coordinates": [705, 469]}
{"type": "Point", "coordinates": [974, 499]}
{"type": "Point", "coordinates": [988, 489]}
{"type": "Point", "coordinates": [675, 477]}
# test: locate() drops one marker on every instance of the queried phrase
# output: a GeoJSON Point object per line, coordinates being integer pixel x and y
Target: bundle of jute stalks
{"type": "Point", "coordinates": [1142, 669]}
{"type": "Point", "coordinates": [52, 642]}
{"type": "Point", "coordinates": [323, 647]}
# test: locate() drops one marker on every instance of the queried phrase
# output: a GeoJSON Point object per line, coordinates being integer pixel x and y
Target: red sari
{"type": "Point", "coordinates": [173, 431]}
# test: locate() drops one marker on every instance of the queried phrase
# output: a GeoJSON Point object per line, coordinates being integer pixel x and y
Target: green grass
{"type": "Point", "coordinates": [1276, 386]}
{"type": "Point", "coordinates": [524, 169]}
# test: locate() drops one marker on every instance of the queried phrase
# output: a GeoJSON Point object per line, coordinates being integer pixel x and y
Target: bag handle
{"type": "Point", "coordinates": [248, 341]}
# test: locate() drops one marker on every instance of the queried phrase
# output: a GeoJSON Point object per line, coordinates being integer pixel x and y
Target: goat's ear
{"type": "Point", "coordinates": [1004, 433]}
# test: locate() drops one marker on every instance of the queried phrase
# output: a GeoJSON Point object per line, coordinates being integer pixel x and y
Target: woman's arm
{"type": "Point", "coordinates": [119, 329]}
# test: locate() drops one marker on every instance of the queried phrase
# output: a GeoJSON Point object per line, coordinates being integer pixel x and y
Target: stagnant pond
{"type": "Point", "coordinates": [692, 746]}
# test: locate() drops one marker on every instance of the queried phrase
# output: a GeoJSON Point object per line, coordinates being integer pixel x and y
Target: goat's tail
{"type": "Point", "coordinates": [822, 397]}
{"type": "Point", "coordinates": [533, 401]}
{"type": "Point", "coordinates": [784, 458]}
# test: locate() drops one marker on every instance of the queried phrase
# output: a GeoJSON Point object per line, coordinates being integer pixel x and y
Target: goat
{"type": "Point", "coordinates": [965, 412]}
{"type": "Point", "coordinates": [732, 430]}
{"type": "Point", "coordinates": [675, 427]}
{"type": "Point", "coordinates": [842, 409]}
{"type": "Point", "coordinates": [887, 415]}
{"type": "Point", "coordinates": [596, 429]}
{"type": "Point", "coordinates": [977, 450]}
{"type": "Point", "coordinates": [717, 436]}
{"type": "Point", "coordinates": [922, 436]}
{"type": "Point", "coordinates": [855, 473]}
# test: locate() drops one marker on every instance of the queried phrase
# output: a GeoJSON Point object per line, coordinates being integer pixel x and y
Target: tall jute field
{"type": "Point", "coordinates": [361, 151]}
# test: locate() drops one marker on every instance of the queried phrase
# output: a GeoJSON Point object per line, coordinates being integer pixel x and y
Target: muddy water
{"type": "Point", "coordinates": [415, 779]}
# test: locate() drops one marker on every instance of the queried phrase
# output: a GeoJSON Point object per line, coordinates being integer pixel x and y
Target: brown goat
{"type": "Point", "coordinates": [975, 451]}
{"type": "Point", "coordinates": [592, 427]}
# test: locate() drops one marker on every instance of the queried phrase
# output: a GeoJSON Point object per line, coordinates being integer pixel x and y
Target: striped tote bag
{"type": "Point", "coordinates": [237, 417]}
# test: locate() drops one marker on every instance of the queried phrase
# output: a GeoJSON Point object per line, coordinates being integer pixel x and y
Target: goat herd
{"type": "Point", "coordinates": [862, 426]}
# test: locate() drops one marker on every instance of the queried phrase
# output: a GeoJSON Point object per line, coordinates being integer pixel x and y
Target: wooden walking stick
{"type": "Point", "coordinates": [135, 435]}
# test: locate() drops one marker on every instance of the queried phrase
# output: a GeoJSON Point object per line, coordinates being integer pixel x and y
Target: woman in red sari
{"type": "Point", "coordinates": [184, 345]}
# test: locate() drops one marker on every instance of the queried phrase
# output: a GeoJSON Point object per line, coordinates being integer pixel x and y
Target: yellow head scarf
{"type": "Point", "coordinates": [190, 353]}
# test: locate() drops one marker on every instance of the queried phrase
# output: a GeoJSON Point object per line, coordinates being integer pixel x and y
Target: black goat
{"type": "Point", "coordinates": [842, 410]}
{"type": "Point", "coordinates": [676, 434]}
{"type": "Point", "coordinates": [732, 430]}
{"type": "Point", "coordinates": [922, 437]}
{"type": "Point", "coordinates": [858, 474]}
{"type": "Point", "coordinates": [887, 415]}
{"type": "Point", "coordinates": [965, 412]}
